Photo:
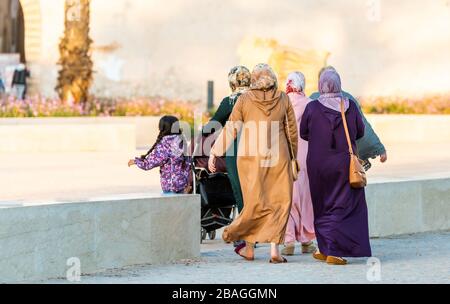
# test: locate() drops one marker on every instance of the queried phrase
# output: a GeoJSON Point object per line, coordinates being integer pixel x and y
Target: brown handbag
{"type": "Point", "coordinates": [358, 178]}
{"type": "Point", "coordinates": [295, 166]}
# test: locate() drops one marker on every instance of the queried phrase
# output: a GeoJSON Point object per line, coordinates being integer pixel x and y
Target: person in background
{"type": "Point", "coordinates": [168, 154]}
{"type": "Point", "coordinates": [2, 84]}
{"type": "Point", "coordinates": [301, 219]}
{"type": "Point", "coordinates": [370, 146]}
{"type": "Point", "coordinates": [19, 82]}
{"type": "Point", "coordinates": [266, 176]}
{"type": "Point", "coordinates": [340, 211]}
{"type": "Point", "coordinates": [239, 81]}
{"type": "Point", "coordinates": [2, 87]}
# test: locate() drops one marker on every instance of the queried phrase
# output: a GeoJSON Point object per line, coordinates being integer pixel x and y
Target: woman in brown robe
{"type": "Point", "coordinates": [264, 121]}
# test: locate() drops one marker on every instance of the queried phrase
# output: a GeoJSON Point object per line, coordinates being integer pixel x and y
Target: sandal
{"type": "Point", "coordinates": [331, 260]}
{"type": "Point", "coordinates": [319, 256]}
{"type": "Point", "coordinates": [278, 261]}
{"type": "Point", "coordinates": [308, 248]}
{"type": "Point", "coordinates": [239, 249]}
{"type": "Point", "coordinates": [289, 249]}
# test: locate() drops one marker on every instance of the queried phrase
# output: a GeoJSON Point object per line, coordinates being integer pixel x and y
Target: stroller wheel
{"type": "Point", "coordinates": [212, 235]}
{"type": "Point", "coordinates": [203, 234]}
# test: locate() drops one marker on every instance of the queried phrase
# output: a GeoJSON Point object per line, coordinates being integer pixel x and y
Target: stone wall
{"type": "Point", "coordinates": [128, 133]}
{"type": "Point", "coordinates": [172, 48]}
{"type": "Point", "coordinates": [411, 206]}
{"type": "Point", "coordinates": [43, 242]}
{"type": "Point", "coordinates": [67, 135]}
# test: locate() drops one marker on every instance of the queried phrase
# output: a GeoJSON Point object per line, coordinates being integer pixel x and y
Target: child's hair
{"type": "Point", "coordinates": [166, 127]}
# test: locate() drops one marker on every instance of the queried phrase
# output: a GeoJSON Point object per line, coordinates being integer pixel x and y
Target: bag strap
{"type": "Point", "coordinates": [347, 134]}
{"type": "Point", "coordinates": [289, 133]}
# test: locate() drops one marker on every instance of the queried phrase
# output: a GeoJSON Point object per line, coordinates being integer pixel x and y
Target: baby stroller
{"type": "Point", "coordinates": [218, 205]}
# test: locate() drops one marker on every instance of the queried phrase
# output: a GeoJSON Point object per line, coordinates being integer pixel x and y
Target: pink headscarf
{"type": "Point", "coordinates": [331, 92]}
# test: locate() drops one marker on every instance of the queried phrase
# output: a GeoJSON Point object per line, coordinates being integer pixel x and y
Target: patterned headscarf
{"type": "Point", "coordinates": [295, 83]}
{"type": "Point", "coordinates": [263, 78]}
{"type": "Point", "coordinates": [239, 77]}
{"type": "Point", "coordinates": [331, 92]}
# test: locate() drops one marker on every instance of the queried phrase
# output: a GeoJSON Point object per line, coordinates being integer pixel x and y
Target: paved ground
{"type": "Point", "coordinates": [423, 258]}
{"type": "Point", "coordinates": [76, 176]}
{"type": "Point", "coordinates": [71, 176]}
{"type": "Point", "coordinates": [35, 178]}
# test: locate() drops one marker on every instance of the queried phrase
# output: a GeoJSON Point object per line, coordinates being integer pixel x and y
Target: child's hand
{"type": "Point", "coordinates": [131, 163]}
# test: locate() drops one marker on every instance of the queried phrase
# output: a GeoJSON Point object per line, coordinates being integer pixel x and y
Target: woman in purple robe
{"type": "Point", "coordinates": [340, 212]}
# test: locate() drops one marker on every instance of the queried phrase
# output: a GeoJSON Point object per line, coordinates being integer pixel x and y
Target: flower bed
{"type": "Point", "coordinates": [432, 104]}
{"type": "Point", "coordinates": [185, 110]}
{"type": "Point", "coordinates": [42, 107]}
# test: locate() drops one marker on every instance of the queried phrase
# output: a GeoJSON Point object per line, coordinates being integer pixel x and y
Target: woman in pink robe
{"type": "Point", "coordinates": [301, 219]}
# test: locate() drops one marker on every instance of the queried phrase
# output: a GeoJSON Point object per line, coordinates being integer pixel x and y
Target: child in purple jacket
{"type": "Point", "coordinates": [167, 153]}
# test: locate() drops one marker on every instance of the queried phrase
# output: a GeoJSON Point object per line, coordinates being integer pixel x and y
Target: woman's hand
{"type": "Point", "coordinates": [131, 163]}
{"type": "Point", "coordinates": [383, 157]}
{"type": "Point", "coordinates": [212, 163]}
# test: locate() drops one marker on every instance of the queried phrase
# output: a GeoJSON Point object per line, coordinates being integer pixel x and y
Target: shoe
{"type": "Point", "coordinates": [289, 249]}
{"type": "Point", "coordinates": [336, 261]}
{"type": "Point", "coordinates": [319, 256]}
{"type": "Point", "coordinates": [308, 248]}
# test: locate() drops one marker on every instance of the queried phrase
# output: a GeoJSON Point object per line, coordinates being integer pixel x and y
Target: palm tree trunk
{"type": "Point", "coordinates": [75, 75]}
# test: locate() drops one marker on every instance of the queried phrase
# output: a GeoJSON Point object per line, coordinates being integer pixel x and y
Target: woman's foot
{"type": "Point", "coordinates": [289, 249]}
{"type": "Point", "coordinates": [331, 260]}
{"type": "Point", "coordinates": [275, 254]}
{"type": "Point", "coordinates": [308, 247]}
{"type": "Point", "coordinates": [319, 256]}
{"type": "Point", "coordinates": [246, 250]}
{"type": "Point", "coordinates": [278, 260]}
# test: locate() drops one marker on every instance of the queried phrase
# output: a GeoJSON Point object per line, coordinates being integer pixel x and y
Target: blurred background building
{"type": "Point", "coordinates": [171, 48]}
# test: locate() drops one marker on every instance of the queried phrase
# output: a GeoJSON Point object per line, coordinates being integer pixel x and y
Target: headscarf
{"type": "Point", "coordinates": [326, 68]}
{"type": "Point", "coordinates": [330, 91]}
{"type": "Point", "coordinates": [295, 83]}
{"type": "Point", "coordinates": [239, 79]}
{"type": "Point", "coordinates": [263, 78]}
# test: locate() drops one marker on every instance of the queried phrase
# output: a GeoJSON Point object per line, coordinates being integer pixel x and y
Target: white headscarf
{"type": "Point", "coordinates": [295, 83]}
